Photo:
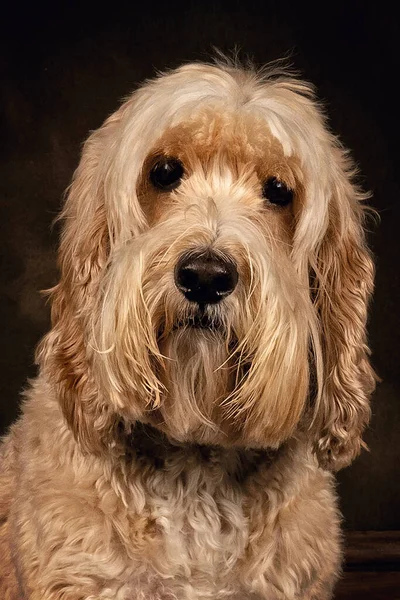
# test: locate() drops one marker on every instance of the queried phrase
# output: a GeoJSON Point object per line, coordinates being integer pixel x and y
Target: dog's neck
{"type": "Point", "coordinates": [150, 446]}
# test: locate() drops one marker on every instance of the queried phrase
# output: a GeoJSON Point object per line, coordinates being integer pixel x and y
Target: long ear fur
{"type": "Point", "coordinates": [342, 280]}
{"type": "Point", "coordinates": [64, 353]}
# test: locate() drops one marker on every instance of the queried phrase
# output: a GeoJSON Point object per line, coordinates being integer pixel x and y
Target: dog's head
{"type": "Point", "coordinates": [214, 274]}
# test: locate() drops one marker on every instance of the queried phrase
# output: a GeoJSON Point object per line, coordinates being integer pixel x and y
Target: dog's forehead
{"type": "Point", "coordinates": [212, 129]}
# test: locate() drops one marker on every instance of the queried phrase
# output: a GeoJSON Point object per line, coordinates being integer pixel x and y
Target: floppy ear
{"type": "Point", "coordinates": [64, 353]}
{"type": "Point", "coordinates": [342, 279]}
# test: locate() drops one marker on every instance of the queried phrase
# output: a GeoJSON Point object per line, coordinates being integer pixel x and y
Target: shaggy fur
{"type": "Point", "coordinates": [158, 458]}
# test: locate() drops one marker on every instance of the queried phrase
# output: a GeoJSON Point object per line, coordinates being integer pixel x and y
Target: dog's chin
{"type": "Point", "coordinates": [200, 338]}
{"type": "Point", "coordinates": [196, 338]}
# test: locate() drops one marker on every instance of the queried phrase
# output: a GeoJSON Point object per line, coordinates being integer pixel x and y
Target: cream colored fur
{"type": "Point", "coordinates": [154, 460]}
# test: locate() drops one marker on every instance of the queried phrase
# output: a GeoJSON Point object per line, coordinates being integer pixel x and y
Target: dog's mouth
{"type": "Point", "coordinates": [200, 320]}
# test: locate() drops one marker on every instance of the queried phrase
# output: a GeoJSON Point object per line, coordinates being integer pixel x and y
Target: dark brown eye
{"type": "Point", "coordinates": [277, 192]}
{"type": "Point", "coordinates": [166, 174]}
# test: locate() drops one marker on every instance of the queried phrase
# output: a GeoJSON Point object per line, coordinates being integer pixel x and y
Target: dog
{"type": "Point", "coordinates": [207, 369]}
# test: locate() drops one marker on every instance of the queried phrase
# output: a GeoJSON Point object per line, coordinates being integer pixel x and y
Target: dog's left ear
{"type": "Point", "coordinates": [341, 282]}
{"type": "Point", "coordinates": [64, 351]}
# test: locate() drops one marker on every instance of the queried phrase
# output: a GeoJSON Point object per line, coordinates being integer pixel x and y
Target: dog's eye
{"type": "Point", "coordinates": [166, 174]}
{"type": "Point", "coordinates": [277, 192]}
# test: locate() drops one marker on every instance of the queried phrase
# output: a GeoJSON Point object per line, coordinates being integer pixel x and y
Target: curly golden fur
{"type": "Point", "coordinates": [156, 459]}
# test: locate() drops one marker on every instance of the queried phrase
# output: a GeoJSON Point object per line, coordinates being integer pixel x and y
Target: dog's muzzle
{"type": "Point", "coordinates": [205, 277]}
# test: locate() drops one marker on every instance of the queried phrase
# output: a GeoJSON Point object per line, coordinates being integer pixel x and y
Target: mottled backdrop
{"type": "Point", "coordinates": [65, 67]}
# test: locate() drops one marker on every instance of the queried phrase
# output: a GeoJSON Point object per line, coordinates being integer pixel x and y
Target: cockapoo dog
{"type": "Point", "coordinates": [207, 366]}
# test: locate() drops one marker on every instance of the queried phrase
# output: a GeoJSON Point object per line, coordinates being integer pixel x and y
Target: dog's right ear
{"type": "Point", "coordinates": [64, 354]}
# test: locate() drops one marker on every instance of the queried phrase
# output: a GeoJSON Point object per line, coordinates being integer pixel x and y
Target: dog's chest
{"type": "Point", "coordinates": [201, 534]}
{"type": "Point", "coordinates": [193, 513]}
{"type": "Point", "coordinates": [198, 511]}
{"type": "Point", "coordinates": [204, 530]}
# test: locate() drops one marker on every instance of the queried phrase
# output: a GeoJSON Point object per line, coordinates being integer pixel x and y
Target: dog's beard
{"type": "Point", "coordinates": [200, 373]}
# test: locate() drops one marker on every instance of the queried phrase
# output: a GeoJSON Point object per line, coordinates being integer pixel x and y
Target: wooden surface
{"type": "Point", "coordinates": [372, 570]}
{"type": "Point", "coordinates": [369, 585]}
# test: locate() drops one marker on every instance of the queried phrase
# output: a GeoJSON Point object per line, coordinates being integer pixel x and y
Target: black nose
{"type": "Point", "coordinates": [205, 277]}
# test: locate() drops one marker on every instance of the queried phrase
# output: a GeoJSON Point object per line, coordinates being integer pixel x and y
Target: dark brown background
{"type": "Point", "coordinates": [64, 69]}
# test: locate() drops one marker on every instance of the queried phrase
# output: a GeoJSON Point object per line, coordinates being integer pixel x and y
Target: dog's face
{"type": "Point", "coordinates": [214, 274]}
{"type": "Point", "coordinates": [216, 295]}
